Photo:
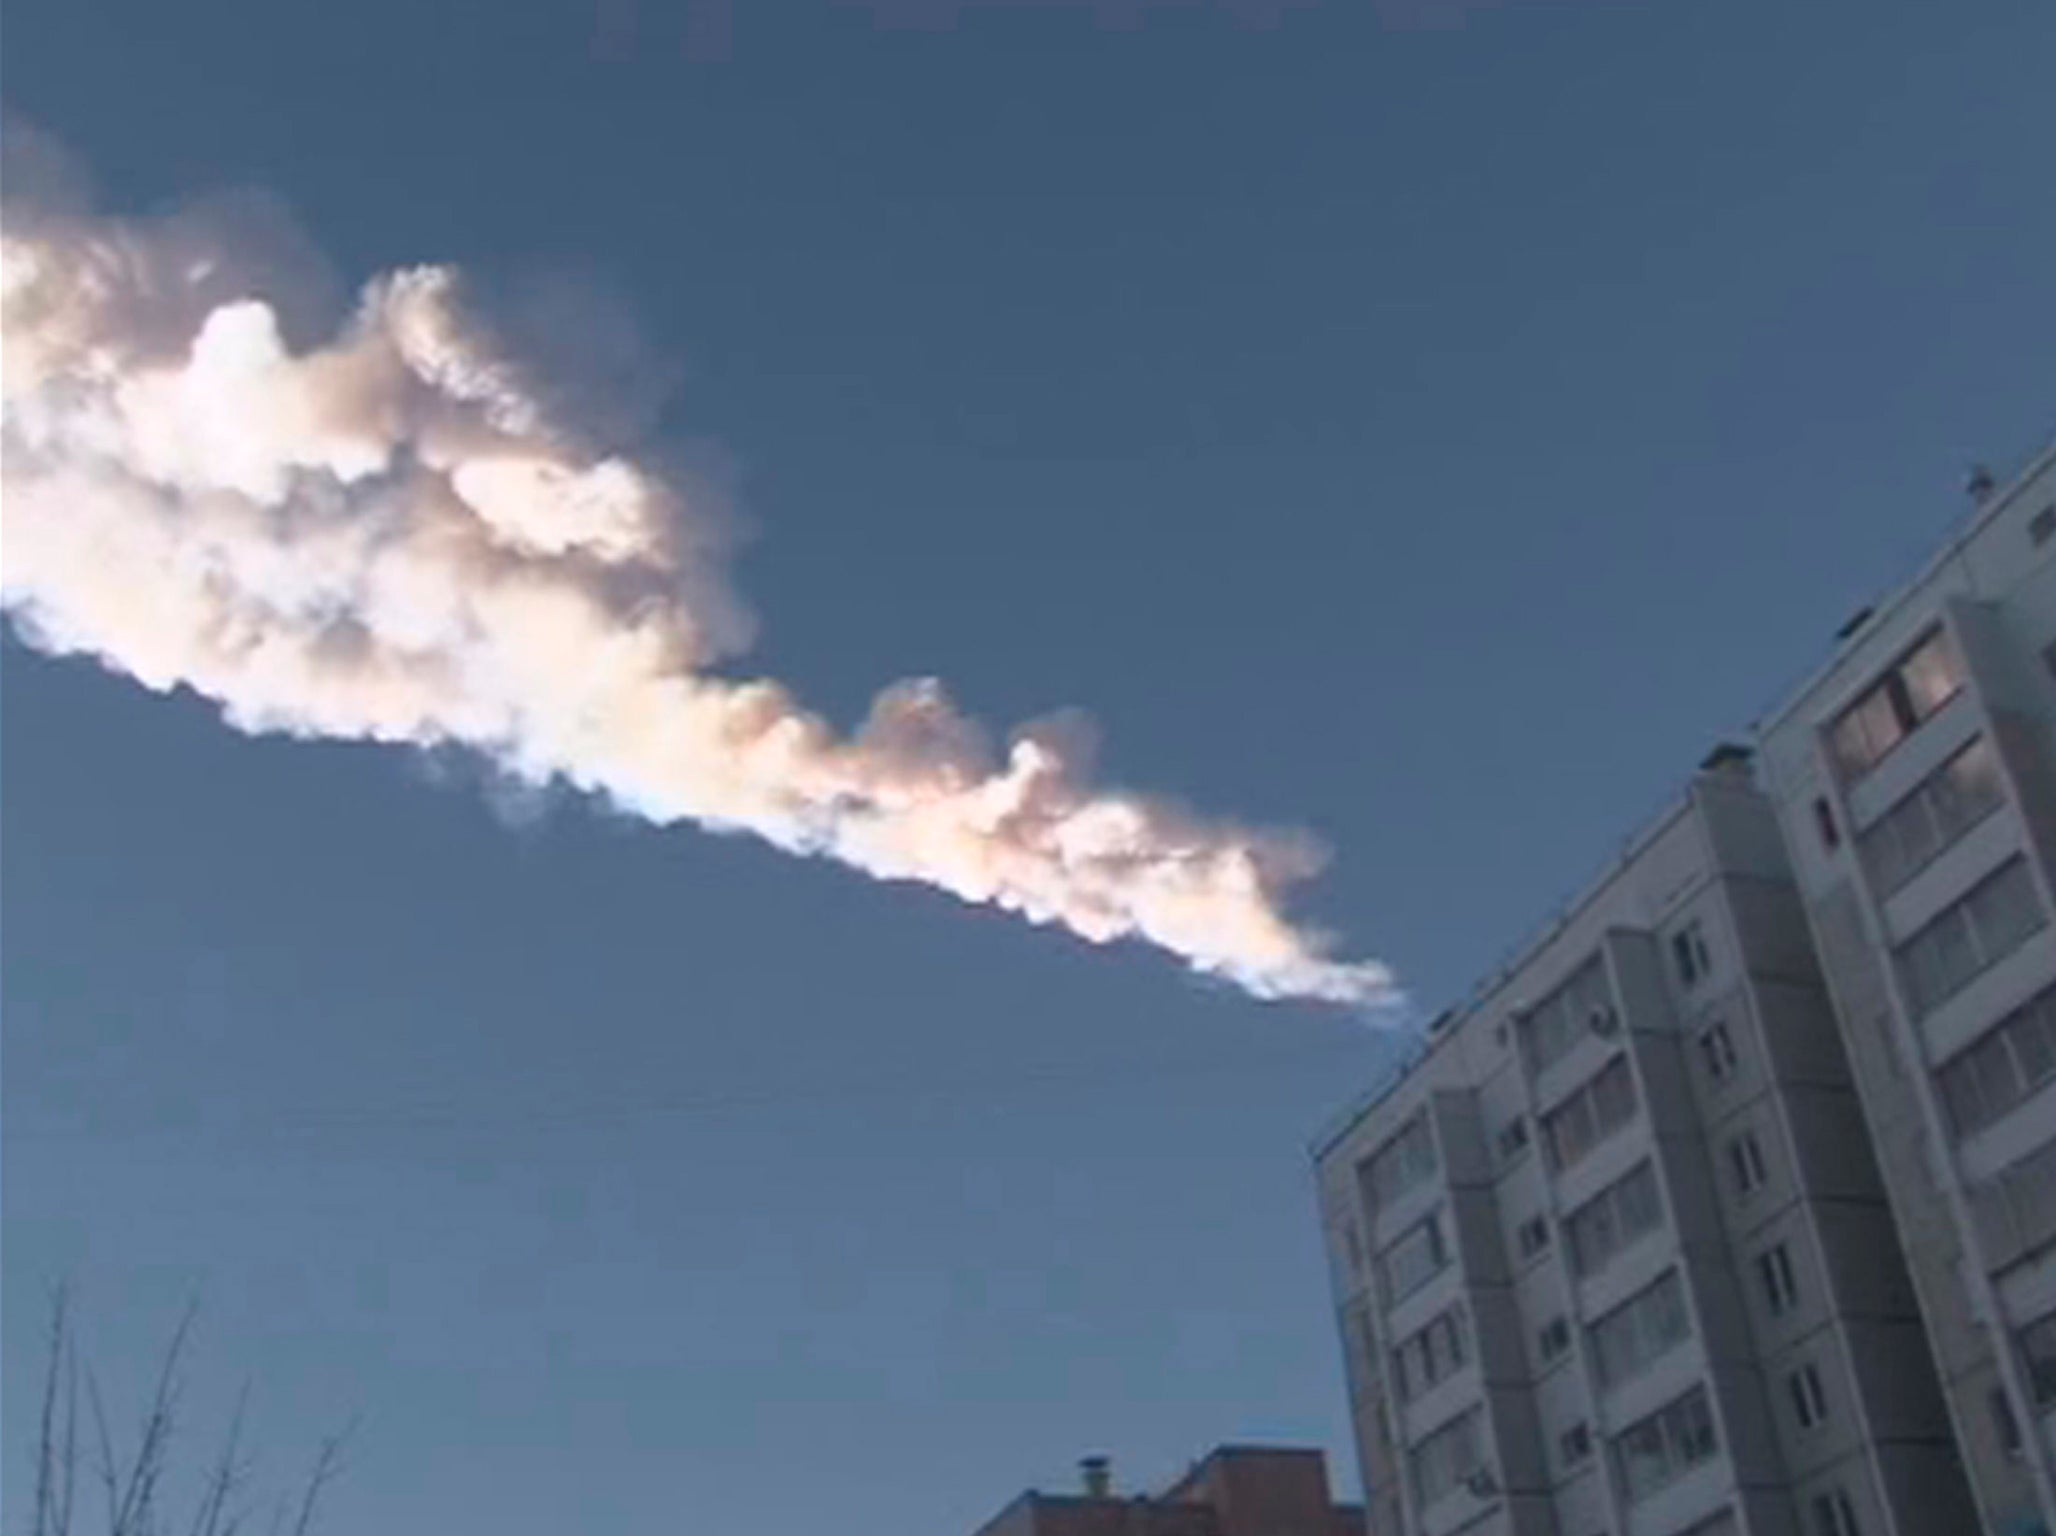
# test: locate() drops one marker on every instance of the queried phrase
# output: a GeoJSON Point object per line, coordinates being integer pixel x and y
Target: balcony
{"type": "Point", "coordinates": [1929, 745]}
{"type": "Point", "coordinates": [1945, 878]}
{"type": "Point", "coordinates": [1990, 995]}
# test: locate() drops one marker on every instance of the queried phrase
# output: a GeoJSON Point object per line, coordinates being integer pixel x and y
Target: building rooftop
{"type": "Point", "coordinates": [1441, 1028]}
{"type": "Point", "coordinates": [1234, 1490]}
{"type": "Point", "coordinates": [1725, 756]}
{"type": "Point", "coordinates": [1989, 504]}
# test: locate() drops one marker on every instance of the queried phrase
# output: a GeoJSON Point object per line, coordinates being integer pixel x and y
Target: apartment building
{"type": "Point", "coordinates": [1916, 780]}
{"type": "Point", "coordinates": [1613, 1256]}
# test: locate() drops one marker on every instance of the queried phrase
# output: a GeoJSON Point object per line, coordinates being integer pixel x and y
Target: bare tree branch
{"type": "Point", "coordinates": [327, 1463]}
{"type": "Point", "coordinates": [210, 1516]}
{"type": "Point", "coordinates": [70, 1453]}
{"type": "Point", "coordinates": [52, 1518]}
{"type": "Point", "coordinates": [110, 1478]}
{"type": "Point", "coordinates": [137, 1486]}
{"type": "Point", "coordinates": [153, 1451]}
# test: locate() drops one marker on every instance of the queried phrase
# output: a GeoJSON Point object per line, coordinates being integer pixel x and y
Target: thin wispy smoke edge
{"type": "Point", "coordinates": [428, 521]}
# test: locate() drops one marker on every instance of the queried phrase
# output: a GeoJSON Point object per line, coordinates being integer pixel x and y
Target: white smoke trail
{"type": "Point", "coordinates": [404, 527]}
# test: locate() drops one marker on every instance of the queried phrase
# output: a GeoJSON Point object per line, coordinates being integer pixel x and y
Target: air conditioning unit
{"type": "Point", "coordinates": [1603, 1021]}
{"type": "Point", "coordinates": [1481, 1483]}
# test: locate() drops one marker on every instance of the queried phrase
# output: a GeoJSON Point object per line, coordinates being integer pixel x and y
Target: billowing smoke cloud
{"type": "Point", "coordinates": [413, 523]}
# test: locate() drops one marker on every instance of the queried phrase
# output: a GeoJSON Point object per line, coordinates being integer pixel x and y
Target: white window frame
{"type": "Point", "coordinates": [1431, 1354]}
{"type": "Point", "coordinates": [1928, 960]}
{"type": "Point", "coordinates": [1690, 955]}
{"type": "Point", "coordinates": [1717, 1051]}
{"type": "Point", "coordinates": [1629, 1339]}
{"type": "Point", "coordinates": [1437, 1243]}
{"type": "Point", "coordinates": [1932, 817]}
{"type": "Point", "coordinates": [1809, 1396]}
{"type": "Point", "coordinates": [1678, 1426]}
{"type": "Point", "coordinates": [1779, 1277]}
{"type": "Point", "coordinates": [2003, 1068]}
{"type": "Point", "coordinates": [1610, 1203]}
{"type": "Point", "coordinates": [1874, 724]}
{"type": "Point", "coordinates": [1834, 1514]}
{"type": "Point", "coordinates": [1402, 1163]}
{"type": "Point", "coordinates": [1553, 1027]}
{"type": "Point", "coordinates": [1608, 1092]}
{"type": "Point", "coordinates": [1462, 1439]}
{"type": "Point", "coordinates": [1746, 1162]}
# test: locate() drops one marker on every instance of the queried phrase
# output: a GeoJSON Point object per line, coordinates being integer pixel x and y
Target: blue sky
{"type": "Point", "coordinates": [1436, 435]}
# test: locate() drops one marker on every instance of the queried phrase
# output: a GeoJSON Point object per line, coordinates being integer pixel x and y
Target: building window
{"type": "Point", "coordinates": [2038, 1354]}
{"type": "Point", "coordinates": [1401, 1165]}
{"type": "Point", "coordinates": [1415, 1259]}
{"type": "Point", "coordinates": [1581, 1006]}
{"type": "Point", "coordinates": [1745, 1161]}
{"type": "Point", "coordinates": [1359, 1349]}
{"type": "Point", "coordinates": [1999, 914]}
{"type": "Point", "coordinates": [1920, 683]}
{"type": "Point", "coordinates": [2015, 1212]}
{"type": "Point", "coordinates": [1447, 1458]}
{"type": "Point", "coordinates": [1824, 823]}
{"type": "Point", "coordinates": [1640, 1331]}
{"type": "Point", "coordinates": [1430, 1355]}
{"type": "Point", "coordinates": [1780, 1281]}
{"type": "Point", "coordinates": [1809, 1397]}
{"type": "Point", "coordinates": [2042, 525]}
{"type": "Point", "coordinates": [1614, 1220]}
{"type": "Point", "coordinates": [1554, 1339]}
{"type": "Point", "coordinates": [1655, 1451]}
{"type": "Point", "coordinates": [1688, 950]}
{"type": "Point", "coordinates": [2004, 1423]}
{"type": "Point", "coordinates": [2002, 1069]}
{"type": "Point", "coordinates": [1717, 1050]}
{"type": "Point", "coordinates": [1834, 1515]}
{"type": "Point", "coordinates": [1575, 1443]}
{"type": "Point", "coordinates": [1513, 1138]}
{"type": "Point", "coordinates": [1590, 1115]}
{"type": "Point", "coordinates": [1533, 1236]}
{"type": "Point", "coordinates": [1933, 816]}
